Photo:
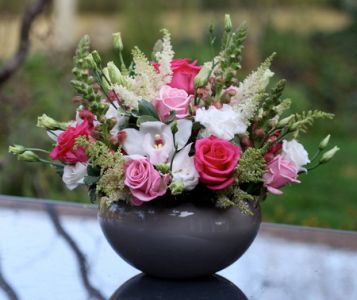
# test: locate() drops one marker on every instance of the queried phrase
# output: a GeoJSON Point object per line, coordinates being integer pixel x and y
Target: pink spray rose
{"type": "Point", "coordinates": [215, 160]}
{"type": "Point", "coordinates": [183, 74]}
{"type": "Point", "coordinates": [172, 99]}
{"type": "Point", "coordinates": [65, 149]}
{"type": "Point", "coordinates": [279, 173]}
{"type": "Point", "coordinates": [144, 182]}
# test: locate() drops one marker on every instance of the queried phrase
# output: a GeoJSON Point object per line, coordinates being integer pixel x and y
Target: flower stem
{"type": "Point", "coordinates": [50, 162]}
{"type": "Point", "coordinates": [38, 150]}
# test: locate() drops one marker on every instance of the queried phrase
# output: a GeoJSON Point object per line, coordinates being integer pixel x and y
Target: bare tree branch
{"type": "Point", "coordinates": [7, 288]}
{"type": "Point", "coordinates": [32, 11]}
{"type": "Point", "coordinates": [83, 266]}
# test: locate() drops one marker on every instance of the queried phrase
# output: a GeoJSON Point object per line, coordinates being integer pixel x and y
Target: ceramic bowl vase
{"type": "Point", "coordinates": [184, 241]}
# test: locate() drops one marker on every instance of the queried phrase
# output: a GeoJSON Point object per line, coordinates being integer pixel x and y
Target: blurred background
{"type": "Point", "coordinates": [316, 43]}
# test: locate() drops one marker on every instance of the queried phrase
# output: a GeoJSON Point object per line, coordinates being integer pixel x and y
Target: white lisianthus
{"type": "Point", "coordinates": [224, 123]}
{"type": "Point", "coordinates": [295, 152]}
{"type": "Point", "coordinates": [73, 175]}
{"type": "Point", "coordinates": [183, 169]}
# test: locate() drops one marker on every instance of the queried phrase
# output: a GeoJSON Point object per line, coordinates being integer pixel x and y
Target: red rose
{"type": "Point", "coordinates": [183, 74]}
{"type": "Point", "coordinates": [65, 150]}
{"type": "Point", "coordinates": [215, 161]}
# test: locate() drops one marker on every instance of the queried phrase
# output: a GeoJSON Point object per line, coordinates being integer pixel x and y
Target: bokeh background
{"type": "Point", "coordinates": [316, 42]}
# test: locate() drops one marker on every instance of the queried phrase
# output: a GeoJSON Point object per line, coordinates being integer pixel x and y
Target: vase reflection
{"type": "Point", "coordinates": [145, 287]}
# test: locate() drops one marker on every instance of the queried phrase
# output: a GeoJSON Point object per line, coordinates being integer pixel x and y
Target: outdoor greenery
{"type": "Point", "coordinates": [321, 72]}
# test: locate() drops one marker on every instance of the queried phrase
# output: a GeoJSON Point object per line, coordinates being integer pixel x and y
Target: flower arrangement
{"type": "Point", "coordinates": [165, 128]}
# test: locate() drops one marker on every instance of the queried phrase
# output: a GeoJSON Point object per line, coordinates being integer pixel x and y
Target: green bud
{"type": "Point", "coordinates": [106, 84]}
{"type": "Point", "coordinates": [227, 23]}
{"type": "Point", "coordinates": [176, 187]}
{"type": "Point", "coordinates": [17, 149]}
{"type": "Point", "coordinates": [117, 41]}
{"type": "Point", "coordinates": [163, 168]}
{"type": "Point", "coordinates": [284, 122]}
{"type": "Point", "coordinates": [96, 57]}
{"type": "Point", "coordinates": [324, 142]}
{"type": "Point", "coordinates": [201, 78]}
{"type": "Point", "coordinates": [174, 128]}
{"type": "Point", "coordinates": [329, 155]}
{"type": "Point", "coordinates": [89, 60]}
{"type": "Point", "coordinates": [114, 74]}
{"type": "Point", "coordinates": [48, 123]}
{"type": "Point", "coordinates": [28, 156]}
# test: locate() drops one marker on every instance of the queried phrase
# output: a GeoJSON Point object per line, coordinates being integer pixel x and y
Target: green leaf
{"type": "Point", "coordinates": [145, 118]}
{"type": "Point", "coordinates": [92, 194]}
{"type": "Point", "coordinates": [93, 171]}
{"type": "Point", "coordinates": [147, 109]}
{"type": "Point", "coordinates": [59, 170]}
{"type": "Point", "coordinates": [91, 180]}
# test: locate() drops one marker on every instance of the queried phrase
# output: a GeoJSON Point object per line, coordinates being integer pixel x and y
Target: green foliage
{"type": "Point", "coordinates": [272, 104]}
{"type": "Point", "coordinates": [251, 167]}
{"type": "Point", "coordinates": [306, 118]}
{"type": "Point", "coordinates": [147, 109]}
{"type": "Point", "coordinates": [231, 54]}
{"type": "Point", "coordinates": [106, 174]}
{"type": "Point", "coordinates": [83, 82]}
{"type": "Point", "coordinates": [237, 198]}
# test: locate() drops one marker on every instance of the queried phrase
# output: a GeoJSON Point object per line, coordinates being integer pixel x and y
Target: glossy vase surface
{"type": "Point", "coordinates": [183, 241]}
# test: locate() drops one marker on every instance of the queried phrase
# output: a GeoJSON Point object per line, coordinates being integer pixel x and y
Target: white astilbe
{"type": "Point", "coordinates": [164, 58]}
{"type": "Point", "coordinates": [129, 98]}
{"type": "Point", "coordinates": [145, 76]}
{"type": "Point", "coordinates": [249, 92]}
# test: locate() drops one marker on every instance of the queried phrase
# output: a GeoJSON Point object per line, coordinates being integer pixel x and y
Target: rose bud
{"type": "Point", "coordinates": [245, 141]}
{"type": "Point", "coordinates": [77, 99]}
{"type": "Point", "coordinates": [260, 132]}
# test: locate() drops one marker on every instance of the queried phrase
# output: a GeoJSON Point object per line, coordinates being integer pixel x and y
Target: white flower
{"type": "Point", "coordinates": [183, 169]}
{"type": "Point", "coordinates": [73, 175]}
{"type": "Point", "coordinates": [155, 140]}
{"type": "Point", "coordinates": [295, 152]}
{"type": "Point", "coordinates": [224, 123]}
{"type": "Point", "coordinates": [248, 94]}
{"type": "Point", "coordinates": [113, 113]}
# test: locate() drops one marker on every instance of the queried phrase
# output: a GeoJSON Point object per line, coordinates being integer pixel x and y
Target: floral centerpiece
{"type": "Point", "coordinates": [161, 129]}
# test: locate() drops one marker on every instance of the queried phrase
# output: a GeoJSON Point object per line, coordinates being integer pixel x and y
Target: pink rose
{"type": "Point", "coordinates": [172, 99]}
{"type": "Point", "coordinates": [65, 149]}
{"type": "Point", "coordinates": [144, 182]}
{"type": "Point", "coordinates": [279, 173]}
{"type": "Point", "coordinates": [215, 161]}
{"type": "Point", "coordinates": [183, 74]}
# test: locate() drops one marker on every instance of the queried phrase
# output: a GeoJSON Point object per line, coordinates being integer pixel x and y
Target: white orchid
{"type": "Point", "coordinates": [183, 169]}
{"type": "Point", "coordinates": [156, 141]}
{"type": "Point", "coordinates": [73, 175]}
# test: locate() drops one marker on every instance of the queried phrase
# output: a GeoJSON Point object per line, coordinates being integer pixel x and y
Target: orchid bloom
{"type": "Point", "coordinates": [183, 169]}
{"type": "Point", "coordinates": [156, 141]}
